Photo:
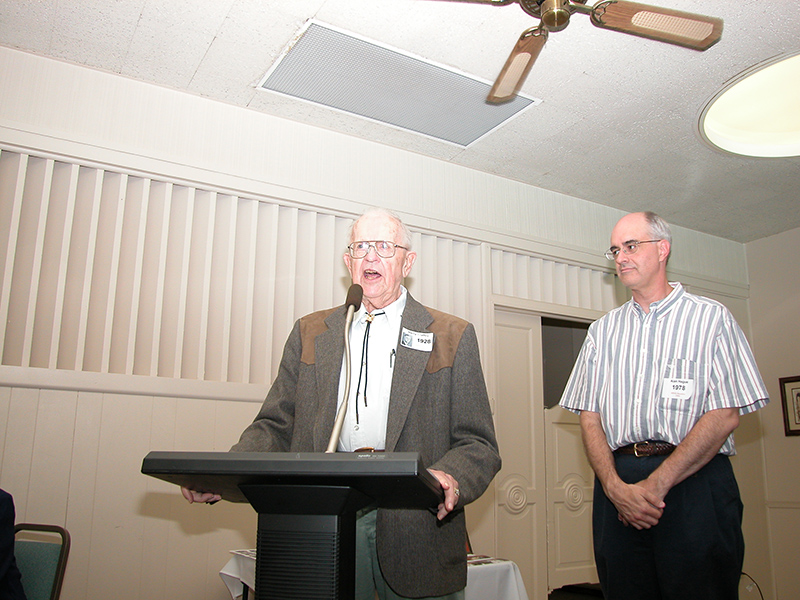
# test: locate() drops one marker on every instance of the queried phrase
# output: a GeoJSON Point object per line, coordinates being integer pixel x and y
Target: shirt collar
{"type": "Point", "coordinates": [394, 312]}
{"type": "Point", "coordinates": [668, 303]}
{"type": "Point", "coordinates": [663, 306]}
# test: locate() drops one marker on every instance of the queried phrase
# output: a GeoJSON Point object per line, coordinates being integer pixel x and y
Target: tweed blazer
{"type": "Point", "coordinates": [438, 407]}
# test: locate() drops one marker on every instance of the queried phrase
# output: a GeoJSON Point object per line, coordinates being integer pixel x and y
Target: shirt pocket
{"type": "Point", "coordinates": [679, 386]}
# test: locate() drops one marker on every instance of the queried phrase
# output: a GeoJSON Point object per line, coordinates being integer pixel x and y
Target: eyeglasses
{"type": "Point", "coordinates": [629, 247]}
{"type": "Point", "coordinates": [383, 248]}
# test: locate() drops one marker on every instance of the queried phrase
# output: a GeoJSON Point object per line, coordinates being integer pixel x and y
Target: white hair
{"type": "Point", "coordinates": [376, 211]}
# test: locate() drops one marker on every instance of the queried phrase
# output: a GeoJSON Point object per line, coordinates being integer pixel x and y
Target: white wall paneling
{"type": "Point", "coordinates": [528, 277]}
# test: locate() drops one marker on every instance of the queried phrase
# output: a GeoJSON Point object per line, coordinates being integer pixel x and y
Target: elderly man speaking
{"type": "Point", "coordinates": [418, 386]}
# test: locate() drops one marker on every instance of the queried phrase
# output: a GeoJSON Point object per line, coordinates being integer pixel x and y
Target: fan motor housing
{"type": "Point", "coordinates": [554, 14]}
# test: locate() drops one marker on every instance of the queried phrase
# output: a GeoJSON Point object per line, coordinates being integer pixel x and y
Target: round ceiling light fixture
{"type": "Point", "coordinates": [757, 114]}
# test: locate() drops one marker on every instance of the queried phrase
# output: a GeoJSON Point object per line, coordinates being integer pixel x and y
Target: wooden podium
{"type": "Point", "coordinates": [306, 504]}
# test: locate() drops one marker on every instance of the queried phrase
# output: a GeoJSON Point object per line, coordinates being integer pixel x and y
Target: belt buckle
{"type": "Point", "coordinates": [636, 448]}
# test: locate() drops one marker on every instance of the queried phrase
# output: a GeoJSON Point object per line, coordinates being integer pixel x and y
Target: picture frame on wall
{"type": "Point", "coordinates": [790, 397]}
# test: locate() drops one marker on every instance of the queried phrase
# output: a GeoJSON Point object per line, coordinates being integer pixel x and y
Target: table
{"type": "Point", "coordinates": [491, 578]}
{"type": "Point", "coordinates": [487, 577]}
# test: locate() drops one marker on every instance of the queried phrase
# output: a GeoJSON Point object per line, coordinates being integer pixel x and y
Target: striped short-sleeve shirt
{"type": "Point", "coordinates": [651, 376]}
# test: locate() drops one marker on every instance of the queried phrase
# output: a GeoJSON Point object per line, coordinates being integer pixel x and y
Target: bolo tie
{"type": "Point", "coordinates": [364, 358]}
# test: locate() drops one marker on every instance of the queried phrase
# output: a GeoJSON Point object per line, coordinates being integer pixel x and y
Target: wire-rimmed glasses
{"type": "Point", "coordinates": [629, 247]}
{"type": "Point", "coordinates": [383, 248]}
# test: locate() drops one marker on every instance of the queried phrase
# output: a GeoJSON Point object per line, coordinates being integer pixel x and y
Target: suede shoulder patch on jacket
{"type": "Point", "coordinates": [310, 327]}
{"type": "Point", "coordinates": [447, 330]}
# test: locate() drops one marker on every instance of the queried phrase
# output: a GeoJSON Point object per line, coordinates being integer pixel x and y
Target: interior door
{"type": "Point", "coordinates": [543, 493]}
{"type": "Point", "coordinates": [521, 518]}
{"type": "Point", "coordinates": [570, 479]}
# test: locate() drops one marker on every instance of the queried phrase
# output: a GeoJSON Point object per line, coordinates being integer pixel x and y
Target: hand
{"type": "Point", "coordinates": [451, 493]}
{"type": "Point", "coordinates": [637, 505]}
{"type": "Point", "coordinates": [206, 497]}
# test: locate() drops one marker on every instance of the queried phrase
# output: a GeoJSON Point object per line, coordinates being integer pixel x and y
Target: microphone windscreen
{"type": "Point", "coordinates": [354, 295]}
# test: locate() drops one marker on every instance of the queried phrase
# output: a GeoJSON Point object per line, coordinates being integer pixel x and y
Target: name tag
{"type": "Point", "coordinates": [682, 389]}
{"type": "Point", "coordinates": [417, 340]}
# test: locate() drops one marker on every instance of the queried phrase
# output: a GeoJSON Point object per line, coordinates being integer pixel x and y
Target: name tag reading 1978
{"type": "Point", "coordinates": [682, 389]}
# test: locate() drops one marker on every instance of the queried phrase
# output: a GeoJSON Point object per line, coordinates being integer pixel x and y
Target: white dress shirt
{"type": "Point", "coordinates": [368, 407]}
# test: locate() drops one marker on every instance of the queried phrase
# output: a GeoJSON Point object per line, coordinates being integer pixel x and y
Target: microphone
{"type": "Point", "coordinates": [354, 296]}
{"type": "Point", "coordinates": [353, 303]}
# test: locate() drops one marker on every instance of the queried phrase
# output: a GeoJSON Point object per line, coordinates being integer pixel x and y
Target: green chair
{"type": "Point", "coordinates": [41, 552]}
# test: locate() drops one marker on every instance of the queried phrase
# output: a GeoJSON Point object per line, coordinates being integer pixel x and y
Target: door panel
{"type": "Point", "coordinates": [570, 480]}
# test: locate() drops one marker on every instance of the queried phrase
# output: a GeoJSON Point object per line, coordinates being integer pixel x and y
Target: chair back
{"type": "Point", "coordinates": [41, 553]}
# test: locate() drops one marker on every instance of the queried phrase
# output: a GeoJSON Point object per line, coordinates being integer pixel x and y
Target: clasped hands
{"type": "Point", "coordinates": [638, 504]}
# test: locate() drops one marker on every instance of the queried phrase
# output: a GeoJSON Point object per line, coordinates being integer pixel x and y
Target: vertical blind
{"type": "Point", "coordinates": [108, 272]}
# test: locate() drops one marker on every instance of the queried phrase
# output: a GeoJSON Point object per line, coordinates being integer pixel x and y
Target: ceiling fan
{"type": "Point", "coordinates": [662, 24]}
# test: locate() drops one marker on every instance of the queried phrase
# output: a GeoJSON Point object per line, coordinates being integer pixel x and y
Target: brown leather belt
{"type": "Point", "coordinates": [646, 448]}
{"type": "Point", "coordinates": [366, 449]}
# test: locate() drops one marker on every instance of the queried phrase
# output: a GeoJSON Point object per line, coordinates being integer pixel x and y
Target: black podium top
{"type": "Point", "coordinates": [391, 479]}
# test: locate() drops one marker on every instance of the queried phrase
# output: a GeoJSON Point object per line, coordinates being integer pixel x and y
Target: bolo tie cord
{"type": "Point", "coordinates": [364, 358]}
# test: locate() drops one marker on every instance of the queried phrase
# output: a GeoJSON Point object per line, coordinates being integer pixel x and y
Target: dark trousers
{"type": "Point", "coordinates": [696, 550]}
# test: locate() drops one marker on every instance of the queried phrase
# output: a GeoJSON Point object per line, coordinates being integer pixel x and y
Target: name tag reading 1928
{"type": "Point", "coordinates": [417, 340]}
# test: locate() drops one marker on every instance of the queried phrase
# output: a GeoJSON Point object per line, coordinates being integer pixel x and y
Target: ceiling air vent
{"type": "Point", "coordinates": [336, 69]}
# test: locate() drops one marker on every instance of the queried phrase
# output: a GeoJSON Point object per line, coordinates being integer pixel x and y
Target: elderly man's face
{"type": "Point", "coordinates": [379, 277]}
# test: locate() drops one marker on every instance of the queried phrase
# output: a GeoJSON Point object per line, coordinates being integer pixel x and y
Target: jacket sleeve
{"type": "Point", "coordinates": [473, 458]}
{"type": "Point", "coordinates": [273, 427]}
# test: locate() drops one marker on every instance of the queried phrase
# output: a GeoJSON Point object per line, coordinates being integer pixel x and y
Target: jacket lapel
{"type": "Point", "coordinates": [409, 368]}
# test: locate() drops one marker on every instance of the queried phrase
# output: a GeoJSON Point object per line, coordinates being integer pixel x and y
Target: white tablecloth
{"type": "Point", "coordinates": [487, 578]}
{"type": "Point", "coordinates": [493, 578]}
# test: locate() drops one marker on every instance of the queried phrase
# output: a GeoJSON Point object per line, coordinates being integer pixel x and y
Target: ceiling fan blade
{"type": "Point", "coordinates": [518, 65]}
{"type": "Point", "coordinates": [495, 2]}
{"type": "Point", "coordinates": [663, 24]}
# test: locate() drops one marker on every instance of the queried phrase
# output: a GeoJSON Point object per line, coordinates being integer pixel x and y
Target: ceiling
{"type": "Point", "coordinates": [617, 124]}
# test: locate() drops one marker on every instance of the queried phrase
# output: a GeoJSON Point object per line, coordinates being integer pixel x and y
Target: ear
{"type": "Point", "coordinates": [348, 262]}
{"type": "Point", "coordinates": [408, 262]}
{"type": "Point", "coordinates": [663, 250]}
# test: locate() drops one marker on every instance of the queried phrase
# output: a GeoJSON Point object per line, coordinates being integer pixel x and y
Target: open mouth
{"type": "Point", "coordinates": [371, 275]}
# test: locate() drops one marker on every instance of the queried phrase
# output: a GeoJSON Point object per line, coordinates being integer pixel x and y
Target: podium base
{"type": "Point", "coordinates": [301, 554]}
